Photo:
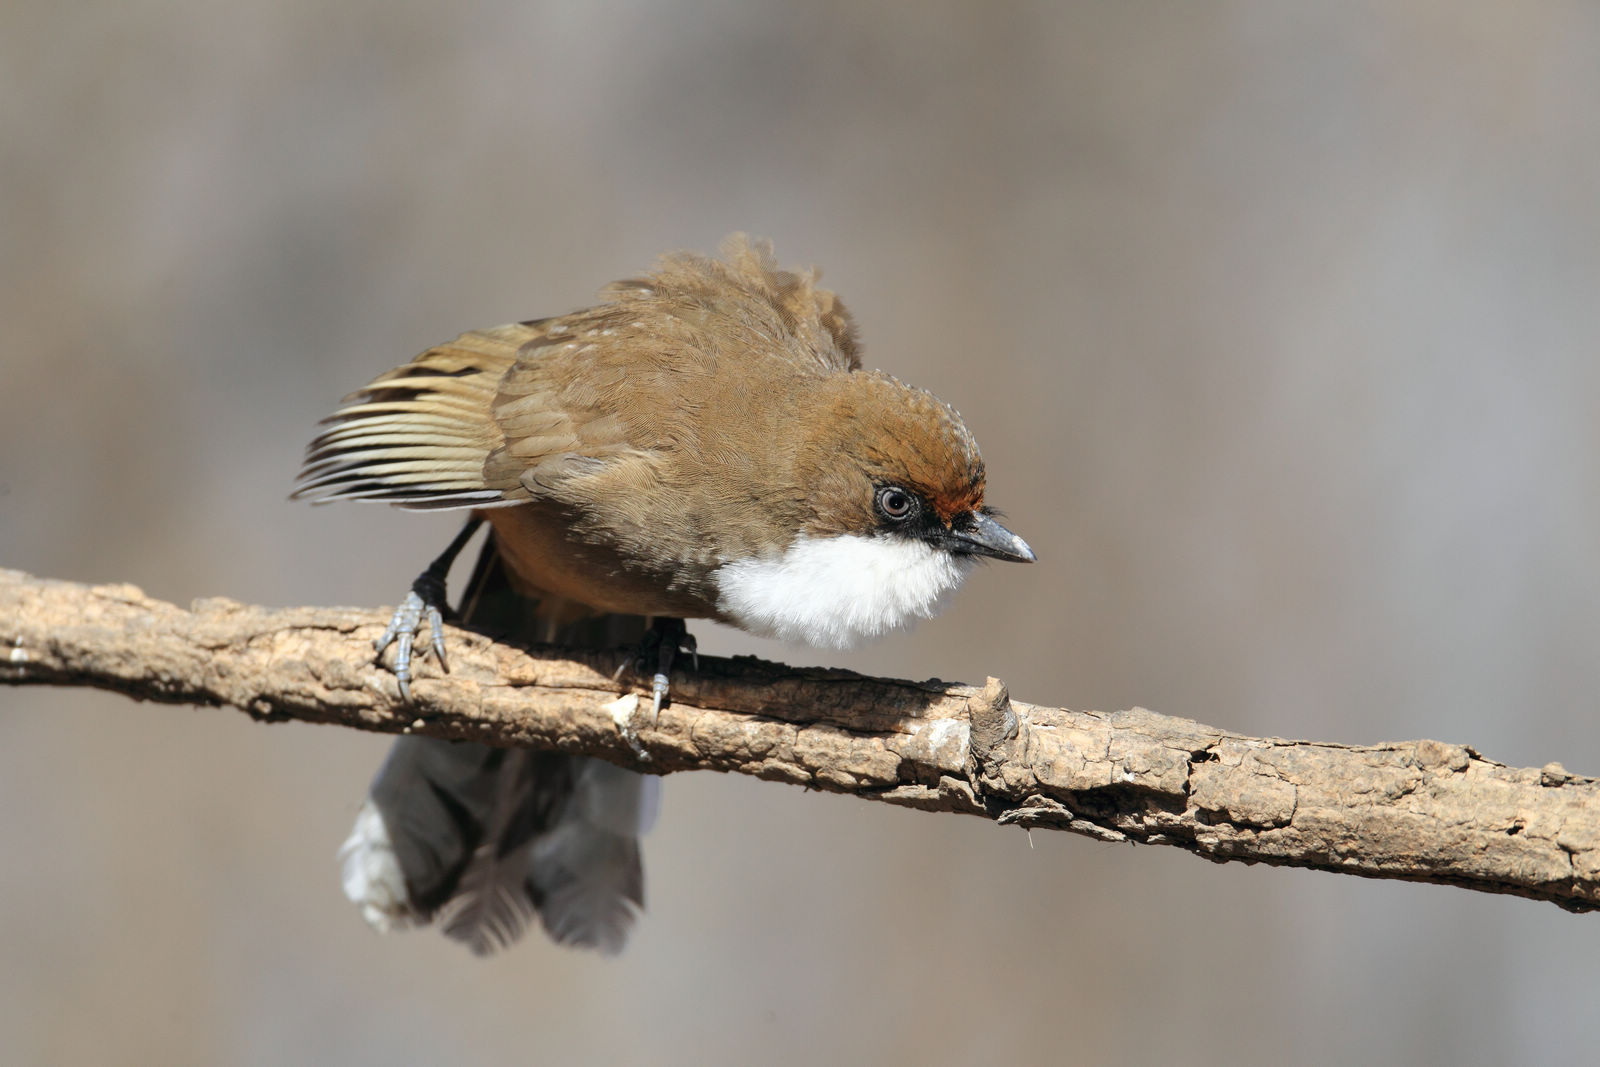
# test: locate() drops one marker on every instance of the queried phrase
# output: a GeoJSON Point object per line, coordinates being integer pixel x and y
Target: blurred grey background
{"type": "Point", "coordinates": [1279, 325]}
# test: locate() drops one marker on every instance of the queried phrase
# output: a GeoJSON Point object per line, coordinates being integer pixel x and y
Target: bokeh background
{"type": "Point", "coordinates": [1279, 325]}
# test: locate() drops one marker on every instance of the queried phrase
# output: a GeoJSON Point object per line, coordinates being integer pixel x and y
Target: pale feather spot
{"type": "Point", "coordinates": [835, 592]}
{"type": "Point", "coordinates": [623, 709]}
{"type": "Point", "coordinates": [371, 874]}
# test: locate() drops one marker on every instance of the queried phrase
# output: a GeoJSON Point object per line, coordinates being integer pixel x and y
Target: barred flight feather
{"type": "Point", "coordinates": [417, 436]}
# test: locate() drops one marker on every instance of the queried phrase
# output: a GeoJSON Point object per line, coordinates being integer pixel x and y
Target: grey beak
{"type": "Point", "coordinates": [985, 537]}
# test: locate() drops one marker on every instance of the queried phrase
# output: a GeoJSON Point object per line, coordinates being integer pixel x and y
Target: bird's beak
{"type": "Point", "coordinates": [985, 537]}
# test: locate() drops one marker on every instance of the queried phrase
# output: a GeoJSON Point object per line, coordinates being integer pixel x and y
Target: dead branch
{"type": "Point", "coordinates": [1418, 810]}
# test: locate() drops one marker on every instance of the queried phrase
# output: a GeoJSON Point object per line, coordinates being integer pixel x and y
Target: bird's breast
{"type": "Point", "coordinates": [545, 558]}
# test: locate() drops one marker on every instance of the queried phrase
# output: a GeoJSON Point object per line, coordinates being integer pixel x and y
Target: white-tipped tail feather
{"type": "Point", "coordinates": [371, 874]}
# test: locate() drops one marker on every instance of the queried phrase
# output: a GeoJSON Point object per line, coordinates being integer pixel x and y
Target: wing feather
{"type": "Point", "coordinates": [551, 407]}
{"type": "Point", "coordinates": [418, 436]}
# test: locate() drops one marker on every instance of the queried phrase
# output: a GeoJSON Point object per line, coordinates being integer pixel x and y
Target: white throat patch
{"type": "Point", "coordinates": [835, 592]}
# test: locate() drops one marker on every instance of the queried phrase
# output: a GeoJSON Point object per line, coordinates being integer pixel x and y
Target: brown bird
{"type": "Point", "coordinates": [703, 444]}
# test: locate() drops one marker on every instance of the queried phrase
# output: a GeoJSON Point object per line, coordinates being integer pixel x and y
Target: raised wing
{"type": "Point", "coordinates": [507, 415]}
{"type": "Point", "coordinates": [418, 436]}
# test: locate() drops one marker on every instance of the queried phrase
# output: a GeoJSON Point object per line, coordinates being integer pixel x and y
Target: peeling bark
{"type": "Point", "coordinates": [1418, 810]}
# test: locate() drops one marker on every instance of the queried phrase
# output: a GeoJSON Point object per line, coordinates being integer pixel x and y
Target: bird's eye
{"type": "Point", "coordinates": [894, 502]}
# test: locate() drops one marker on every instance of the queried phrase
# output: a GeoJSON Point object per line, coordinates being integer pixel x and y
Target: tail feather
{"type": "Point", "coordinates": [487, 908]}
{"type": "Point", "coordinates": [589, 888]}
{"type": "Point", "coordinates": [585, 873]}
{"type": "Point", "coordinates": [372, 876]}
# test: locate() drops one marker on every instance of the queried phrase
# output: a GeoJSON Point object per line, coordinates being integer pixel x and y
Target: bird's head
{"type": "Point", "coordinates": [886, 460]}
{"type": "Point", "coordinates": [891, 487]}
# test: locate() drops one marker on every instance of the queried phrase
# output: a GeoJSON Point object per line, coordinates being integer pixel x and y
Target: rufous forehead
{"type": "Point", "coordinates": [950, 489]}
{"type": "Point", "coordinates": [948, 505]}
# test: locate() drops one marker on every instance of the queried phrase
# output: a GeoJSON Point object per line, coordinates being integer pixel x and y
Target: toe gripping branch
{"type": "Point", "coordinates": [667, 638]}
{"type": "Point", "coordinates": [426, 601]}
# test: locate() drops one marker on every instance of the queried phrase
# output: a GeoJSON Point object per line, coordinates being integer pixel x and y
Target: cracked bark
{"type": "Point", "coordinates": [1417, 810]}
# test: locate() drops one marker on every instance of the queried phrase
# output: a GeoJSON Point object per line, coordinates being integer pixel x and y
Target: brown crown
{"type": "Point", "coordinates": [875, 430]}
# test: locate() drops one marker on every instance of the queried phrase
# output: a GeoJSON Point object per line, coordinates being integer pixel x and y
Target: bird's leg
{"type": "Point", "coordinates": [666, 638]}
{"type": "Point", "coordinates": [426, 601]}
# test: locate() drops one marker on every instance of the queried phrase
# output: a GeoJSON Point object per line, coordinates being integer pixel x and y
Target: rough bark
{"type": "Point", "coordinates": [1419, 810]}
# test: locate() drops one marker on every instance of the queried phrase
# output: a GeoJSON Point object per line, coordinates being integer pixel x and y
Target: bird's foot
{"type": "Point", "coordinates": [662, 644]}
{"type": "Point", "coordinates": [423, 605]}
{"type": "Point", "coordinates": [426, 603]}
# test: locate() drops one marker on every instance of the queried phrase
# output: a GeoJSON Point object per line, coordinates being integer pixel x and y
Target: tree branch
{"type": "Point", "coordinates": [1418, 810]}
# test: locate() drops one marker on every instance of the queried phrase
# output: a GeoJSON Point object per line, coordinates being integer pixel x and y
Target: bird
{"type": "Point", "coordinates": [703, 443]}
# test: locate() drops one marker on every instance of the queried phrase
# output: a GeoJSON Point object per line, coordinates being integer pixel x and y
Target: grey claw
{"type": "Point", "coordinates": [662, 644]}
{"type": "Point", "coordinates": [436, 629]}
{"type": "Point", "coordinates": [658, 695]}
{"type": "Point", "coordinates": [402, 661]}
{"type": "Point", "coordinates": [424, 603]}
{"type": "Point", "coordinates": [403, 621]}
{"type": "Point", "coordinates": [402, 633]}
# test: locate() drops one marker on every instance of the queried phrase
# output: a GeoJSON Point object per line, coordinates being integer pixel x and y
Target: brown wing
{"type": "Point", "coordinates": [418, 435]}
{"type": "Point", "coordinates": [777, 314]}
{"type": "Point", "coordinates": [608, 390]}
{"type": "Point", "coordinates": [515, 413]}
